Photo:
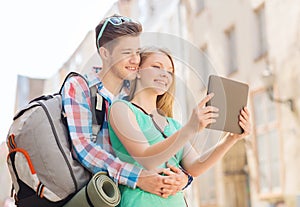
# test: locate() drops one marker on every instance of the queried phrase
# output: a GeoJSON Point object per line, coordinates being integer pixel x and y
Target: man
{"type": "Point", "coordinates": [118, 44]}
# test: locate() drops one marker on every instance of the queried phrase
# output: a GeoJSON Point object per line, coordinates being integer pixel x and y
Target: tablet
{"type": "Point", "coordinates": [230, 98]}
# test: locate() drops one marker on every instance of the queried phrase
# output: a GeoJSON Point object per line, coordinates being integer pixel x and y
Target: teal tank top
{"type": "Point", "coordinates": [138, 197]}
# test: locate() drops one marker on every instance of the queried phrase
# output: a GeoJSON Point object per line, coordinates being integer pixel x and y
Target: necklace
{"type": "Point", "coordinates": [156, 126]}
{"type": "Point", "coordinates": [151, 115]}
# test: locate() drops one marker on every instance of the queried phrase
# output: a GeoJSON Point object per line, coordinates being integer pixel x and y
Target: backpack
{"type": "Point", "coordinates": [40, 161]}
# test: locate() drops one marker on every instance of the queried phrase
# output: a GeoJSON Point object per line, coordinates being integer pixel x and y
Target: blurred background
{"type": "Point", "coordinates": [252, 41]}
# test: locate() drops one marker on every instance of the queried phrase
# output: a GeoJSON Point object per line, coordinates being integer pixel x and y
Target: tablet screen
{"type": "Point", "coordinates": [230, 97]}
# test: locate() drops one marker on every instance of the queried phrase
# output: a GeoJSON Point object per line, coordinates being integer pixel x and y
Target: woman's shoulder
{"type": "Point", "coordinates": [123, 104]}
{"type": "Point", "coordinates": [120, 102]}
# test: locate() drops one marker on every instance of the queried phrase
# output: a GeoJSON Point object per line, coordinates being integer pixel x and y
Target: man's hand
{"type": "Point", "coordinates": [158, 182]}
{"type": "Point", "coordinates": [180, 176]}
{"type": "Point", "coordinates": [163, 182]}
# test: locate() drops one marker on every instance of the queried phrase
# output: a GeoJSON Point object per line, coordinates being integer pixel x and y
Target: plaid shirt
{"type": "Point", "coordinates": [97, 156]}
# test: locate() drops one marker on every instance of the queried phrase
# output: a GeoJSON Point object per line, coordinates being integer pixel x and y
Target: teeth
{"type": "Point", "coordinates": [131, 68]}
{"type": "Point", "coordinates": [161, 82]}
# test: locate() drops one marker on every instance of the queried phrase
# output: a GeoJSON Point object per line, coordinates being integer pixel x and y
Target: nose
{"type": "Point", "coordinates": [135, 59]}
{"type": "Point", "coordinates": [163, 74]}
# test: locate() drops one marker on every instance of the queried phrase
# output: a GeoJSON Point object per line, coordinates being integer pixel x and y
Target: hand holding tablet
{"type": "Point", "coordinates": [230, 97]}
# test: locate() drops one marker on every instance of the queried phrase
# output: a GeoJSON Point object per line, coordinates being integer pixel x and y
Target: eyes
{"type": "Point", "coordinates": [161, 68]}
{"type": "Point", "coordinates": [130, 52]}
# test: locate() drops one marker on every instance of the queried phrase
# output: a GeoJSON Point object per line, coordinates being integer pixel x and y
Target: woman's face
{"type": "Point", "coordinates": [156, 72]}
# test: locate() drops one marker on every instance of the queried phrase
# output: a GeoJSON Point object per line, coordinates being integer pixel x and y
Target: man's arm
{"type": "Point", "coordinates": [172, 181]}
{"type": "Point", "coordinates": [77, 106]}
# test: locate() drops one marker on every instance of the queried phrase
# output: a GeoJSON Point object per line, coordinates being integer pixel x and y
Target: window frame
{"type": "Point", "coordinates": [200, 6]}
{"type": "Point", "coordinates": [231, 50]}
{"type": "Point", "coordinates": [261, 48]}
{"type": "Point", "coordinates": [267, 128]}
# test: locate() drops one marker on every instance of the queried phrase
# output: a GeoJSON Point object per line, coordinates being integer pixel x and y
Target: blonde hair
{"type": "Point", "coordinates": [164, 102]}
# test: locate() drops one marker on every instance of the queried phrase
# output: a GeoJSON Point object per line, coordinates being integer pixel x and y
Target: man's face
{"type": "Point", "coordinates": [124, 58]}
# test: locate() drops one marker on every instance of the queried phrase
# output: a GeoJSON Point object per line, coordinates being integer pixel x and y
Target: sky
{"type": "Point", "coordinates": [36, 38]}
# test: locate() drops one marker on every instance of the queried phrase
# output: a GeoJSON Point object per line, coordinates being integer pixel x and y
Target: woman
{"type": "Point", "coordinates": [142, 131]}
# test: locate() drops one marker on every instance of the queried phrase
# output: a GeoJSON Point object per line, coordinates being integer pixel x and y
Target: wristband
{"type": "Point", "coordinates": [190, 178]}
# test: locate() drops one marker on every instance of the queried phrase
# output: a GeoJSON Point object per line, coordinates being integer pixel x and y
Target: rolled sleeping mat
{"type": "Point", "coordinates": [101, 191]}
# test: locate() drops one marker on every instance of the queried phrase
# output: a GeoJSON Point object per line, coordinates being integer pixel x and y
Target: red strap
{"type": "Point", "coordinates": [11, 142]}
{"type": "Point", "coordinates": [25, 153]}
{"type": "Point", "coordinates": [106, 108]}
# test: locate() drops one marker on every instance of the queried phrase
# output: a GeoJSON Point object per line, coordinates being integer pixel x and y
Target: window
{"type": "Point", "coordinates": [205, 65]}
{"type": "Point", "coordinates": [199, 6]}
{"type": "Point", "coordinates": [231, 51]}
{"type": "Point", "coordinates": [261, 41]}
{"type": "Point", "coordinates": [268, 144]}
{"type": "Point", "coordinates": [23, 89]}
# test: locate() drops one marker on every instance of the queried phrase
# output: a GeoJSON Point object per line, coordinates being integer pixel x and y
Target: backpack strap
{"type": "Point", "coordinates": [97, 115]}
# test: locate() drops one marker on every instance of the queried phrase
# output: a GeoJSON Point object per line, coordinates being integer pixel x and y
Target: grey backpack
{"type": "Point", "coordinates": [40, 162]}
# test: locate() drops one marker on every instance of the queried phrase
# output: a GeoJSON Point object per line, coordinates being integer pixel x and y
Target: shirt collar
{"type": "Point", "coordinates": [93, 79]}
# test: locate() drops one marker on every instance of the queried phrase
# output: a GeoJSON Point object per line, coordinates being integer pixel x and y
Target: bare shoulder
{"type": "Point", "coordinates": [120, 109]}
{"type": "Point", "coordinates": [120, 105]}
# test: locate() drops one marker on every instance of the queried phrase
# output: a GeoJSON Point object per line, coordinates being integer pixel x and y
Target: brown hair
{"type": "Point", "coordinates": [164, 102]}
{"type": "Point", "coordinates": [112, 32]}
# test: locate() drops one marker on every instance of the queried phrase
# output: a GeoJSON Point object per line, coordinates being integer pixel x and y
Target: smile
{"type": "Point", "coordinates": [131, 68]}
{"type": "Point", "coordinates": [161, 82]}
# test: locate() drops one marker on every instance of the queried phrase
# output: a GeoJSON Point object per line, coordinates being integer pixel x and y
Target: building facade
{"type": "Point", "coordinates": [257, 42]}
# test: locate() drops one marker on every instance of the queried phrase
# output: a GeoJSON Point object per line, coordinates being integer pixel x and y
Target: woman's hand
{"type": "Point", "coordinates": [203, 115]}
{"type": "Point", "coordinates": [244, 122]}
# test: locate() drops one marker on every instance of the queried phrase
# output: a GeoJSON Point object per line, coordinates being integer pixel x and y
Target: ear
{"type": "Point", "coordinates": [104, 53]}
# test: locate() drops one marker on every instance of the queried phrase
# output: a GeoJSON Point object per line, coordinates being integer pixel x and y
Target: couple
{"type": "Point", "coordinates": [139, 145]}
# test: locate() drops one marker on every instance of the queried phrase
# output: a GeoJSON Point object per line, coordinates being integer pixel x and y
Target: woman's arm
{"type": "Point", "coordinates": [197, 165]}
{"type": "Point", "coordinates": [125, 125]}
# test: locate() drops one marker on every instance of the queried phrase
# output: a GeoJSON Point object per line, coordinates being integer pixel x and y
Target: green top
{"type": "Point", "coordinates": [137, 197]}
